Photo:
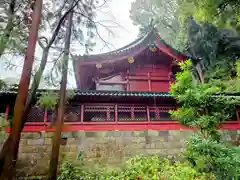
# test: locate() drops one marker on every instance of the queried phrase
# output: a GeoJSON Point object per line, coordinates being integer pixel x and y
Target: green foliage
{"type": "Point", "coordinates": [70, 95]}
{"type": "Point", "coordinates": [179, 171]}
{"type": "Point", "coordinates": [69, 172]}
{"type": "Point", "coordinates": [238, 69]}
{"type": "Point", "coordinates": [142, 167]}
{"type": "Point", "coordinates": [222, 13]}
{"type": "Point", "coordinates": [200, 106]}
{"type": "Point", "coordinates": [164, 16]}
{"type": "Point", "coordinates": [211, 156]}
{"type": "Point", "coordinates": [48, 100]}
{"type": "Point", "coordinates": [204, 106]}
{"type": "Point", "coordinates": [13, 26]}
{"type": "Point", "coordinates": [223, 69]}
{"type": "Point", "coordinates": [2, 84]}
{"type": "Point", "coordinates": [212, 48]}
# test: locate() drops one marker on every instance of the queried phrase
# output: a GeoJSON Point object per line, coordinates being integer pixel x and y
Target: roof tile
{"type": "Point", "coordinates": [101, 93]}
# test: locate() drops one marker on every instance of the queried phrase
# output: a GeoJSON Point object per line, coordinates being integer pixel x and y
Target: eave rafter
{"type": "Point", "coordinates": [131, 50]}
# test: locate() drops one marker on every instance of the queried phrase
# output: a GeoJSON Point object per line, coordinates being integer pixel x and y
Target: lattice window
{"type": "Point", "coordinates": [160, 113]}
{"type": "Point", "coordinates": [99, 113]}
{"type": "Point", "coordinates": [51, 115]}
{"type": "Point", "coordinates": [132, 113]}
{"type": "Point", "coordinates": [36, 114]}
{"type": "Point", "coordinates": [72, 113]}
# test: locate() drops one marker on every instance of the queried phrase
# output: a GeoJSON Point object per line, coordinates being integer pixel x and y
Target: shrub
{"type": "Point", "coordinates": [211, 156]}
{"type": "Point", "coordinates": [138, 167]}
{"type": "Point", "coordinates": [69, 172]}
{"type": "Point", "coordinates": [180, 171]}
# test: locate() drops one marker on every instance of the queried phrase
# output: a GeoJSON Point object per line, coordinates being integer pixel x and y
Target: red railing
{"type": "Point", "coordinates": [102, 113]}
{"type": "Point", "coordinates": [109, 117]}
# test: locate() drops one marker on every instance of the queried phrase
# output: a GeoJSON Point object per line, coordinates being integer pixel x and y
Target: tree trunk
{"type": "Point", "coordinates": [38, 75]}
{"type": "Point", "coordinates": [10, 158]}
{"type": "Point", "coordinates": [28, 105]}
{"type": "Point", "coordinates": [62, 95]}
{"type": "Point", "coordinates": [200, 72]}
{"type": "Point", "coordinates": [35, 84]}
{"type": "Point", "coordinates": [3, 153]}
{"type": "Point", "coordinates": [9, 27]}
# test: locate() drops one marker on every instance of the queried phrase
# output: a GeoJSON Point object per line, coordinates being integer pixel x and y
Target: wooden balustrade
{"type": "Point", "coordinates": [110, 117]}
{"type": "Point", "coordinates": [90, 113]}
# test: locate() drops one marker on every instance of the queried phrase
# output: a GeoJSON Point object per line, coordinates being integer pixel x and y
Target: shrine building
{"type": "Point", "coordinates": [125, 89]}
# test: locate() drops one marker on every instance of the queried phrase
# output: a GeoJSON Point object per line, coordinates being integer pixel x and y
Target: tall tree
{"type": "Point", "coordinates": [164, 15]}
{"type": "Point", "coordinates": [211, 47]}
{"type": "Point", "coordinates": [14, 23]}
{"type": "Point", "coordinates": [46, 46]}
{"type": "Point", "coordinates": [11, 156]}
{"type": "Point", "coordinates": [83, 18]}
{"type": "Point", "coordinates": [61, 107]}
{"type": "Point", "coordinates": [223, 13]}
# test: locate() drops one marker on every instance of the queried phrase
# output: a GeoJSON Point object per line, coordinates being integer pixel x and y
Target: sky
{"type": "Point", "coordinates": [124, 33]}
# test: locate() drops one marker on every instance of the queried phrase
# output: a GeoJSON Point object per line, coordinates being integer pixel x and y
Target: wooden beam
{"type": "Point", "coordinates": [110, 126]}
{"type": "Point", "coordinates": [145, 78]}
{"type": "Point", "coordinates": [111, 83]}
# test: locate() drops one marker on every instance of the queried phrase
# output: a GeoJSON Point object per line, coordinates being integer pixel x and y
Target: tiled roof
{"type": "Point", "coordinates": [142, 40]}
{"type": "Point", "coordinates": [141, 43]}
{"type": "Point", "coordinates": [123, 93]}
{"type": "Point", "coordinates": [103, 93]}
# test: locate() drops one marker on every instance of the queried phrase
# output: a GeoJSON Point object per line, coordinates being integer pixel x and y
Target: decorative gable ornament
{"type": "Point", "coordinates": [131, 60]}
{"type": "Point", "coordinates": [153, 48]}
{"type": "Point", "coordinates": [98, 65]}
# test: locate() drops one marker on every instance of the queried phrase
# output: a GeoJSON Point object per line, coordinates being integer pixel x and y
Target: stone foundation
{"type": "Point", "coordinates": [111, 147]}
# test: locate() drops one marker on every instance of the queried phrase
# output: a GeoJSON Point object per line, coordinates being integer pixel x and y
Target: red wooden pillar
{"type": "Point", "coordinates": [148, 115]}
{"type": "Point", "coordinates": [6, 112]}
{"type": "Point", "coordinates": [82, 113]}
{"type": "Point", "coordinates": [45, 116]}
{"type": "Point", "coordinates": [116, 114]}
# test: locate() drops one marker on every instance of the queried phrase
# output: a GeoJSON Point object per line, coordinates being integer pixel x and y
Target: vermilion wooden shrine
{"type": "Point", "coordinates": [126, 89]}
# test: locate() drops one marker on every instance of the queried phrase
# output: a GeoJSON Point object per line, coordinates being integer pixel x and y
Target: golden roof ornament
{"type": "Point", "coordinates": [98, 65]}
{"type": "Point", "coordinates": [153, 49]}
{"type": "Point", "coordinates": [131, 60]}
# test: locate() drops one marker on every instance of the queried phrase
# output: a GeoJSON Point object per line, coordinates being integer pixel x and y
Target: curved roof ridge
{"type": "Point", "coordinates": [128, 46]}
